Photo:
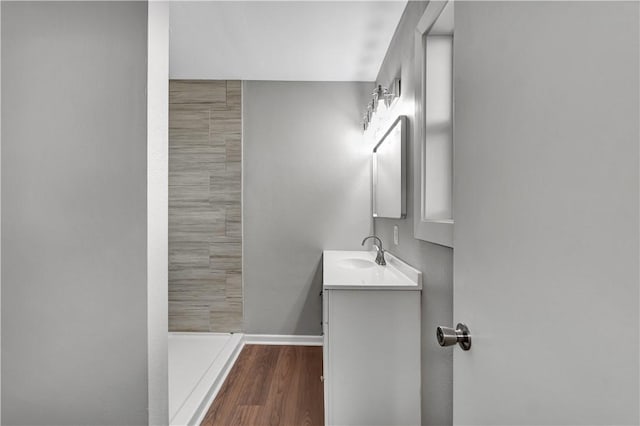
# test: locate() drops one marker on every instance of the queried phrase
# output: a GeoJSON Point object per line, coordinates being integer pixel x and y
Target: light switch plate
{"type": "Point", "coordinates": [395, 234]}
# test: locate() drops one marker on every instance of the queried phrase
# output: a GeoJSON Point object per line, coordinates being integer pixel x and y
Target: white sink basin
{"type": "Point", "coordinates": [355, 263]}
{"type": "Point", "coordinates": [349, 270]}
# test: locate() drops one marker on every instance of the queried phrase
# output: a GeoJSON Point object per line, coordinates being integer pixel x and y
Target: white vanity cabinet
{"type": "Point", "coordinates": [371, 325]}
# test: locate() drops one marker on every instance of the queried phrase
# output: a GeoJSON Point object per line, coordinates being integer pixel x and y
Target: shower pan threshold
{"type": "Point", "coordinates": [198, 366]}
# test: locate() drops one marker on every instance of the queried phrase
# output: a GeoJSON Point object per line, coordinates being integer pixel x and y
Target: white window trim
{"type": "Point", "coordinates": [435, 231]}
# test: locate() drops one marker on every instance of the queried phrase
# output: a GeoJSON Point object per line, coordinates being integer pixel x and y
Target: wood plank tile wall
{"type": "Point", "coordinates": [205, 238]}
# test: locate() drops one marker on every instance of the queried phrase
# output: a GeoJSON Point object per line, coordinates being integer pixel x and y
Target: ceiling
{"type": "Point", "coordinates": [281, 40]}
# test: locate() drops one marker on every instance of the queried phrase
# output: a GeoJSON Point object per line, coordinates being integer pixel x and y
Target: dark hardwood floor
{"type": "Point", "coordinates": [271, 385]}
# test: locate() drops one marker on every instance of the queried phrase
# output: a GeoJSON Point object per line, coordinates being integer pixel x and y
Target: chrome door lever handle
{"type": "Point", "coordinates": [448, 336]}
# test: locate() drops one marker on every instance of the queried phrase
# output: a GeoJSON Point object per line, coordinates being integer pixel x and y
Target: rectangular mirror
{"type": "Point", "coordinates": [389, 172]}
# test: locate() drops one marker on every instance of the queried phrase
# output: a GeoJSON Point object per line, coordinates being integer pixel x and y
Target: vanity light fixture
{"type": "Point", "coordinates": [382, 99]}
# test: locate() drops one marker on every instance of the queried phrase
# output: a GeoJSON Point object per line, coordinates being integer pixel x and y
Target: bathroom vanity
{"type": "Point", "coordinates": [371, 327]}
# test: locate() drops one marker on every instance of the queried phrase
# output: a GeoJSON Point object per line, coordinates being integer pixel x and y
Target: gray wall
{"type": "Point", "coordinates": [74, 320]}
{"type": "Point", "coordinates": [435, 261]}
{"type": "Point", "coordinates": [306, 187]}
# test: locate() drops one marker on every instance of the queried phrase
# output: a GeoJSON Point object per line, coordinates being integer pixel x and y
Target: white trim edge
{"type": "Point", "coordinates": [438, 232]}
{"type": "Point", "coordinates": [0, 227]}
{"type": "Point", "coordinates": [157, 211]}
{"type": "Point", "coordinates": [281, 339]}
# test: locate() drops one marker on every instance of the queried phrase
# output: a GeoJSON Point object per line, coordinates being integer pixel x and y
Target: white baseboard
{"type": "Point", "coordinates": [282, 339]}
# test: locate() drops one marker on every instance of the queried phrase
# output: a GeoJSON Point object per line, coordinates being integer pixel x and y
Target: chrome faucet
{"type": "Point", "coordinates": [380, 256]}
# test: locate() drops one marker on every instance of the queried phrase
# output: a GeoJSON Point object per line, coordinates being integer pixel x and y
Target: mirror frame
{"type": "Point", "coordinates": [434, 231]}
{"type": "Point", "coordinates": [402, 119]}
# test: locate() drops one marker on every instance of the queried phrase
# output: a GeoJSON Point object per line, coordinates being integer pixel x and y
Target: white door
{"type": "Point", "coordinates": [546, 207]}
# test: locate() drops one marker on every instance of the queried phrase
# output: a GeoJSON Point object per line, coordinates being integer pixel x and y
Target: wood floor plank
{"type": "Point", "coordinates": [311, 397]}
{"type": "Point", "coordinates": [257, 385]}
{"type": "Point", "coordinates": [283, 393]}
{"type": "Point", "coordinates": [271, 385]}
{"type": "Point", "coordinates": [247, 415]}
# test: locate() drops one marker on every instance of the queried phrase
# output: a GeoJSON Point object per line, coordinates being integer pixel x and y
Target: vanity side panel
{"type": "Point", "coordinates": [325, 352]}
{"type": "Point", "coordinates": [374, 357]}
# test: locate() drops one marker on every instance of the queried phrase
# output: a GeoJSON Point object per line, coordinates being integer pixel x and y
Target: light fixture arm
{"type": "Point", "coordinates": [381, 93]}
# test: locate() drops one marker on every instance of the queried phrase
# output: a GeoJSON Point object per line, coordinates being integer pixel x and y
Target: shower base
{"type": "Point", "coordinates": [198, 365]}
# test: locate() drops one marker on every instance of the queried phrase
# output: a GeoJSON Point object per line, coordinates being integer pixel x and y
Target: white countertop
{"type": "Point", "coordinates": [357, 270]}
